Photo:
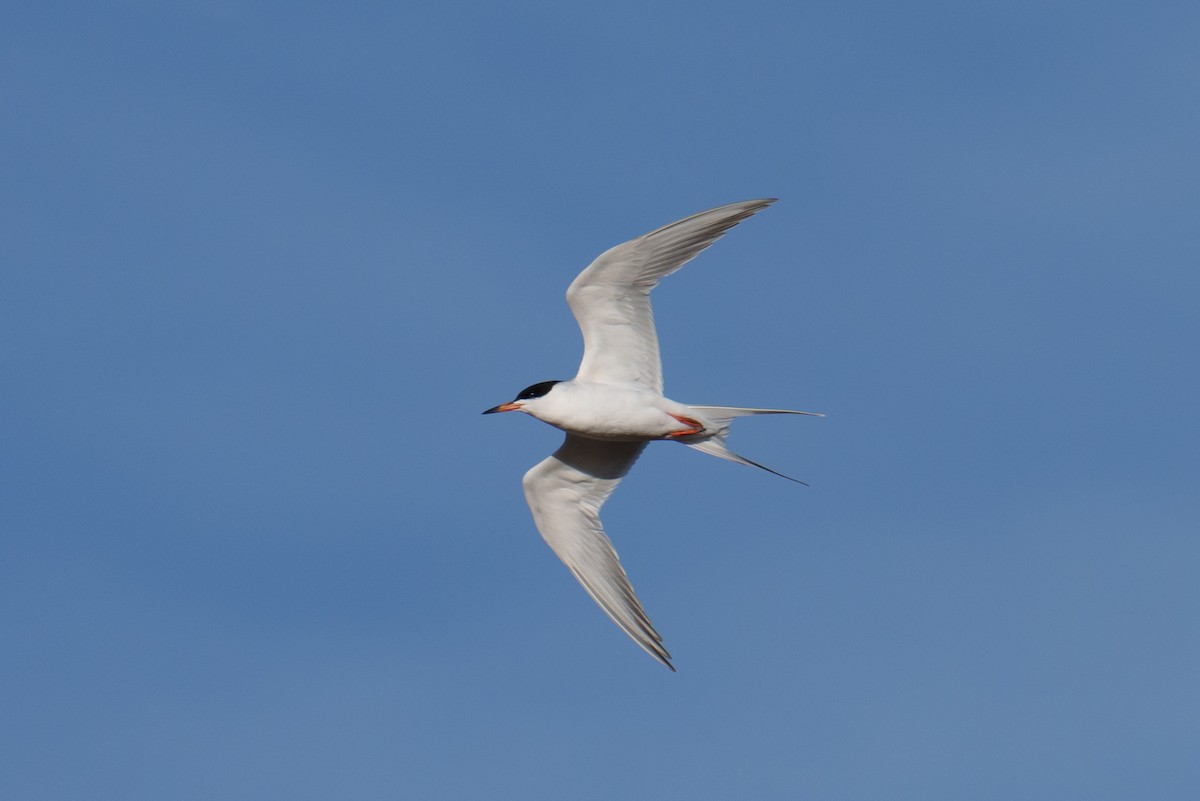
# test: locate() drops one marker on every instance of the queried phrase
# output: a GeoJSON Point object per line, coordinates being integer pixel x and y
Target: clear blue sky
{"type": "Point", "coordinates": [262, 265]}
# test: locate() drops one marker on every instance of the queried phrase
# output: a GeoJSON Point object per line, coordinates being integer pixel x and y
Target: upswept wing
{"type": "Point", "coordinates": [565, 493]}
{"type": "Point", "coordinates": [611, 298]}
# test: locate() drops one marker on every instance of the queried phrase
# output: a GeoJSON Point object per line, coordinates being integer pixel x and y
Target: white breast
{"type": "Point", "coordinates": [606, 411]}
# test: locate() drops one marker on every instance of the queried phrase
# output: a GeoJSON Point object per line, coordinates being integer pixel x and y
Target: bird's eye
{"type": "Point", "coordinates": [536, 391]}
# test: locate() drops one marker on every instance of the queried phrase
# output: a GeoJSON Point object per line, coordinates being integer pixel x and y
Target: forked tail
{"type": "Point", "coordinates": [722, 417]}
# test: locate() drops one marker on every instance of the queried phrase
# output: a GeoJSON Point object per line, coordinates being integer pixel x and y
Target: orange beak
{"type": "Point", "coordinates": [504, 407]}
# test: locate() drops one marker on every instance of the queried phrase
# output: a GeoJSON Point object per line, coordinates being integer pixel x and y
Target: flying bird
{"type": "Point", "coordinates": [615, 405]}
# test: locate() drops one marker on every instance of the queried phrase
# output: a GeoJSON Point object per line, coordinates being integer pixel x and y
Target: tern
{"type": "Point", "coordinates": [615, 405]}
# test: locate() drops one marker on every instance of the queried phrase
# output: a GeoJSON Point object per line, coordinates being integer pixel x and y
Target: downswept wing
{"type": "Point", "coordinates": [565, 493]}
{"type": "Point", "coordinates": [611, 298]}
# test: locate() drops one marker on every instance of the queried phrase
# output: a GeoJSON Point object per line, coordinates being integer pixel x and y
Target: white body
{"type": "Point", "coordinates": [610, 411]}
{"type": "Point", "coordinates": [615, 405]}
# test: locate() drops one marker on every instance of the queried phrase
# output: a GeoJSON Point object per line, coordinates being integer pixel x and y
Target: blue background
{"type": "Point", "coordinates": [263, 265]}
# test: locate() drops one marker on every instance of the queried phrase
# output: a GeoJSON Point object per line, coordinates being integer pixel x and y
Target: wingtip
{"type": "Point", "coordinates": [757, 204]}
{"type": "Point", "coordinates": [662, 658]}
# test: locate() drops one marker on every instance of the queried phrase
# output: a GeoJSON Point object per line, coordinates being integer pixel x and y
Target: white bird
{"type": "Point", "coordinates": [615, 405]}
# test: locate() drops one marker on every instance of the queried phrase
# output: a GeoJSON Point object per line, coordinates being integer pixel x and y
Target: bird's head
{"type": "Point", "coordinates": [524, 397]}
